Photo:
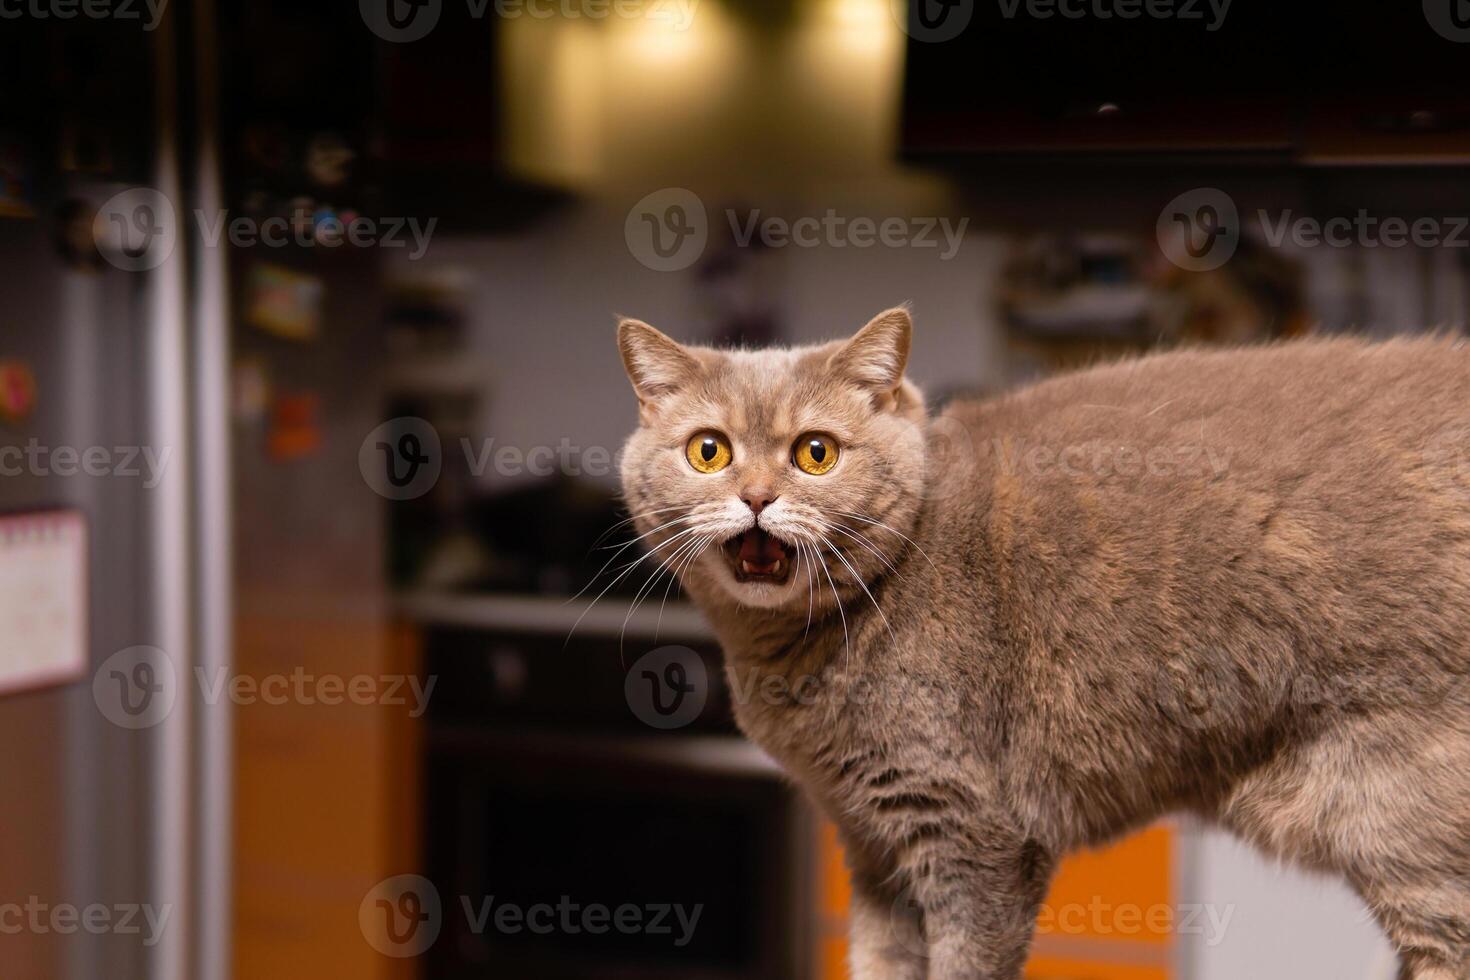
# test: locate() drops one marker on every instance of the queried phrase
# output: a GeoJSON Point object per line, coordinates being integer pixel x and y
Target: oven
{"type": "Point", "coordinates": [570, 840]}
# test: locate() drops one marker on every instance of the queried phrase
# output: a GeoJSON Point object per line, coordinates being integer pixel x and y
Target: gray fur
{"type": "Point", "coordinates": [1230, 583]}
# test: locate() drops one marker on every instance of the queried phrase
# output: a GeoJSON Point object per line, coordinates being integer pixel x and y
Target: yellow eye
{"type": "Point", "coordinates": [708, 452]}
{"type": "Point", "coordinates": [814, 453]}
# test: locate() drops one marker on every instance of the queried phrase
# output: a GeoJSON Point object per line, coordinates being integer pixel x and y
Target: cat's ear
{"type": "Point", "coordinates": [656, 365]}
{"type": "Point", "coordinates": [877, 354]}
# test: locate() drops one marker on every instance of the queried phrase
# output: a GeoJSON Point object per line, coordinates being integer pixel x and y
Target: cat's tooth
{"type": "Point", "coordinates": [765, 568]}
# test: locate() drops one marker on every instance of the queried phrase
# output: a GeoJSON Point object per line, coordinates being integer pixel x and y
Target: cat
{"type": "Point", "coordinates": [1233, 583]}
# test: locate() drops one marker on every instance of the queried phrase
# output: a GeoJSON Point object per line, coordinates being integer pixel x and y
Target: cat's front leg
{"type": "Point", "coordinates": [887, 937]}
{"type": "Point", "coordinates": [979, 908]}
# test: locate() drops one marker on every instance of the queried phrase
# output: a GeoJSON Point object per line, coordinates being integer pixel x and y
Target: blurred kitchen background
{"type": "Point", "coordinates": [390, 458]}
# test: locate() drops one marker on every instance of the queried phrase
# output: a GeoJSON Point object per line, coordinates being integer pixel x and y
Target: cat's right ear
{"type": "Point", "coordinates": [875, 359]}
{"type": "Point", "coordinates": [657, 365]}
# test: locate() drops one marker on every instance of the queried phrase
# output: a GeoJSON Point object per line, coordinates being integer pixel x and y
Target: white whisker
{"type": "Point", "coordinates": [630, 519]}
{"type": "Point", "coordinates": [864, 586]}
{"type": "Point", "coordinates": [648, 586]}
{"type": "Point", "coordinates": [810, 598]}
{"type": "Point", "coordinates": [860, 539]}
{"type": "Point", "coordinates": [625, 547]}
{"type": "Point", "coordinates": [678, 576]}
{"type": "Point", "coordinates": [890, 530]}
{"type": "Point", "coordinates": [846, 640]}
{"type": "Point", "coordinates": [623, 574]}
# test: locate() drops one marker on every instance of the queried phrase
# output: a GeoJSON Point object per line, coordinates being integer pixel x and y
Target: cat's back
{"type": "Point", "coordinates": [1321, 486]}
{"type": "Point", "coordinates": [1268, 416]}
{"type": "Point", "coordinates": [1263, 393]}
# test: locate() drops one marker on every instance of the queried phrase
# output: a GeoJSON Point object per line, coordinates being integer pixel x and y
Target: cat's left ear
{"type": "Point", "coordinates": [876, 356]}
{"type": "Point", "coordinates": [656, 364]}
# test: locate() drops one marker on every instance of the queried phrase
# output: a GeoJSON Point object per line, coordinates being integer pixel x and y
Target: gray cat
{"type": "Point", "coordinates": [1229, 583]}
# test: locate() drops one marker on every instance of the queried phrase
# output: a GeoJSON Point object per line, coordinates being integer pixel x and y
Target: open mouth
{"type": "Point", "coordinates": [756, 556]}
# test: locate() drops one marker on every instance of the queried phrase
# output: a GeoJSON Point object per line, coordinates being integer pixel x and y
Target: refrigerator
{"type": "Point", "coordinates": [114, 532]}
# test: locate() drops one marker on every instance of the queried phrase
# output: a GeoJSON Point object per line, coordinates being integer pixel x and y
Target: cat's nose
{"type": "Point", "coordinates": [757, 499]}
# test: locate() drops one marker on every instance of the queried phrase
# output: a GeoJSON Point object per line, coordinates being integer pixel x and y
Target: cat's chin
{"type": "Point", "coordinates": [762, 595]}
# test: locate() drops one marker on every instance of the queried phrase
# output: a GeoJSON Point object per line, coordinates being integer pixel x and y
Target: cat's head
{"type": "Point", "coordinates": [773, 476]}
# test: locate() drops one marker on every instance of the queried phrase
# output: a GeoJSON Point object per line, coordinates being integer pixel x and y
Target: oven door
{"type": "Point", "coordinates": [590, 857]}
